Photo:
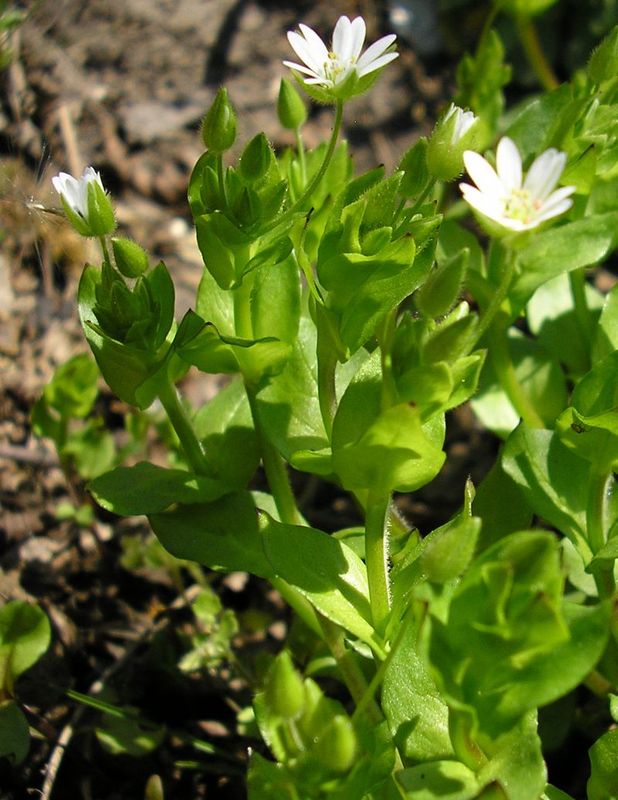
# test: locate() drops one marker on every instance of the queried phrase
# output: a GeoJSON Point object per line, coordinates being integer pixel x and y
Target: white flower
{"type": "Point", "coordinates": [501, 195]}
{"type": "Point", "coordinates": [75, 191]}
{"type": "Point", "coordinates": [329, 68]}
{"type": "Point", "coordinates": [464, 120]}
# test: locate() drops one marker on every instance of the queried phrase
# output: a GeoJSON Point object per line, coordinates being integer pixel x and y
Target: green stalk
{"type": "Point", "coordinates": [275, 469]}
{"type": "Point", "coordinates": [297, 206]}
{"type": "Point", "coordinates": [534, 53]}
{"type": "Point", "coordinates": [577, 282]}
{"type": "Point", "coordinates": [105, 249]}
{"type": "Point", "coordinates": [300, 149]}
{"type": "Point", "coordinates": [500, 355]}
{"type": "Point", "coordinates": [376, 557]}
{"type": "Point", "coordinates": [386, 334]}
{"type": "Point", "coordinates": [327, 363]}
{"type": "Point", "coordinates": [181, 423]}
{"type": "Point", "coordinates": [349, 668]}
{"type": "Point", "coordinates": [508, 270]}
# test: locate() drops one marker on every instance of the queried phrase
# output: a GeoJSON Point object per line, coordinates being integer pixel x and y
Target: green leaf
{"type": "Point", "coordinates": [562, 249]}
{"type": "Point", "coordinates": [606, 339]}
{"type": "Point", "coordinates": [14, 732]}
{"type": "Point", "coordinates": [416, 711]}
{"type": "Point", "coordinates": [275, 301]}
{"type": "Point", "coordinates": [266, 780]}
{"type": "Point", "coordinates": [390, 449]}
{"type": "Point", "coordinates": [603, 782]}
{"type": "Point", "coordinates": [146, 488]}
{"type": "Point", "coordinates": [225, 426]}
{"type": "Point", "coordinates": [448, 780]}
{"type": "Point", "coordinates": [554, 480]}
{"type": "Point", "coordinates": [223, 535]}
{"type": "Point", "coordinates": [501, 505]}
{"type": "Point", "coordinates": [325, 570]}
{"type": "Point", "coordinates": [539, 124]}
{"type": "Point", "coordinates": [24, 637]}
{"type": "Point", "coordinates": [553, 320]}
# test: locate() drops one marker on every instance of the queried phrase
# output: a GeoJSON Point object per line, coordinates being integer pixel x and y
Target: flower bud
{"type": "Point", "coordinates": [290, 107]}
{"type": "Point", "coordinates": [255, 159]}
{"type": "Point", "coordinates": [284, 690]}
{"type": "Point", "coordinates": [453, 134]}
{"type": "Point", "coordinates": [219, 124]}
{"type": "Point", "coordinates": [336, 748]}
{"type": "Point", "coordinates": [85, 202]}
{"type": "Point", "coordinates": [131, 259]}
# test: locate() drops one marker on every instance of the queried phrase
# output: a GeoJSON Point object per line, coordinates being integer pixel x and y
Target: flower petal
{"type": "Point", "coordinates": [305, 70]}
{"type": "Point", "coordinates": [358, 31]}
{"type": "Point", "coordinates": [342, 38]}
{"type": "Point", "coordinates": [483, 174]}
{"type": "Point", "coordinates": [508, 163]}
{"type": "Point", "coordinates": [481, 202]}
{"type": "Point", "coordinates": [377, 63]}
{"type": "Point", "coordinates": [547, 212]}
{"type": "Point", "coordinates": [544, 173]}
{"type": "Point", "coordinates": [374, 51]}
{"type": "Point", "coordinates": [307, 52]}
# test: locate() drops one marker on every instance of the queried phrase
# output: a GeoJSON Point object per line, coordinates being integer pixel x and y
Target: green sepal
{"type": "Point", "coordinates": [414, 168]}
{"type": "Point", "coordinates": [603, 64]}
{"type": "Point", "coordinates": [101, 219]}
{"type": "Point", "coordinates": [256, 159]}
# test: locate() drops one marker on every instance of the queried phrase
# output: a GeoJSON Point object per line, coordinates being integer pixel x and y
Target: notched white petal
{"type": "Point", "coordinates": [508, 163]}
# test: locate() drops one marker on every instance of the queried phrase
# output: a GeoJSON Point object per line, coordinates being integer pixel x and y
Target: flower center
{"type": "Point", "coordinates": [336, 70]}
{"type": "Point", "coordinates": [520, 205]}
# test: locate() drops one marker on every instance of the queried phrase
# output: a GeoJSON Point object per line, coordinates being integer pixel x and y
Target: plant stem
{"type": "Point", "coordinates": [299, 604]}
{"type": "Point", "coordinates": [534, 53]}
{"type": "Point", "coordinates": [181, 423]}
{"type": "Point", "coordinates": [105, 249]}
{"type": "Point", "coordinates": [350, 671]}
{"type": "Point", "coordinates": [313, 184]}
{"type": "Point", "coordinates": [500, 355]}
{"type": "Point", "coordinates": [496, 301]}
{"type": "Point", "coordinates": [327, 363]}
{"type": "Point", "coordinates": [376, 557]}
{"type": "Point", "coordinates": [275, 469]}
{"type": "Point", "coordinates": [302, 161]}
{"type": "Point", "coordinates": [386, 334]}
{"type": "Point", "coordinates": [577, 282]}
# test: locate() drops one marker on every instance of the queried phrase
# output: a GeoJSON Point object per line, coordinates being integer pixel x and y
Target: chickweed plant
{"type": "Point", "coordinates": [353, 312]}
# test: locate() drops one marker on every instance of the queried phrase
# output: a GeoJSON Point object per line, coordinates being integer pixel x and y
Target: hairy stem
{"type": "Point", "coordinates": [181, 423]}
{"type": "Point", "coordinates": [315, 181]}
{"type": "Point", "coordinates": [534, 53]}
{"type": "Point", "coordinates": [376, 557]}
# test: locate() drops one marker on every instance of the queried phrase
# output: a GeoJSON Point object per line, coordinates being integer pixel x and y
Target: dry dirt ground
{"type": "Point", "coordinates": [122, 85]}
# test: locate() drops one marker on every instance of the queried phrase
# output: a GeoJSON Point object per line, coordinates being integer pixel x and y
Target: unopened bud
{"type": "Point", "coordinates": [336, 748]}
{"type": "Point", "coordinates": [290, 107]}
{"type": "Point", "coordinates": [130, 258]}
{"type": "Point", "coordinates": [219, 124]}
{"type": "Point", "coordinates": [255, 159]}
{"type": "Point", "coordinates": [453, 134]}
{"type": "Point", "coordinates": [284, 690]}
